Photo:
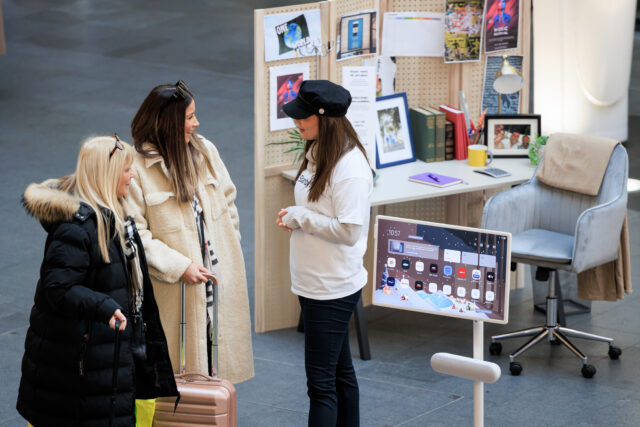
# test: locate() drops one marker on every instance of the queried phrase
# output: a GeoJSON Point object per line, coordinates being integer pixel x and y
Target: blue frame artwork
{"type": "Point", "coordinates": [394, 140]}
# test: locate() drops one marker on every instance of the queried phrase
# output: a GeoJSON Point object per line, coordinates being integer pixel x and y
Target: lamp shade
{"type": "Point", "coordinates": [508, 79]}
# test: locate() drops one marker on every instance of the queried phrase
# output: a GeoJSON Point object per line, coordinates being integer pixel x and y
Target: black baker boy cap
{"type": "Point", "coordinates": [320, 97]}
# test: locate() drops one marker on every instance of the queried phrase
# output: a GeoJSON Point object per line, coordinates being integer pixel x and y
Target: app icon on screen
{"type": "Point", "coordinates": [489, 296]}
{"type": "Point", "coordinates": [404, 283]}
{"type": "Point", "coordinates": [419, 285]}
{"type": "Point", "coordinates": [491, 276]}
{"type": "Point", "coordinates": [391, 262]}
{"type": "Point", "coordinates": [446, 289]}
{"type": "Point", "coordinates": [406, 264]}
{"type": "Point", "coordinates": [476, 275]}
{"type": "Point", "coordinates": [461, 292]}
{"type": "Point", "coordinates": [391, 281]}
{"type": "Point", "coordinates": [448, 270]}
{"type": "Point", "coordinates": [433, 287]}
{"type": "Point", "coordinates": [433, 268]}
{"type": "Point", "coordinates": [462, 272]}
{"type": "Point", "coordinates": [475, 293]}
{"type": "Point", "coordinates": [419, 266]}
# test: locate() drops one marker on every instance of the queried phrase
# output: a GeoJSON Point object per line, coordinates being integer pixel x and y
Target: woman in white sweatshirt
{"type": "Point", "coordinates": [329, 226]}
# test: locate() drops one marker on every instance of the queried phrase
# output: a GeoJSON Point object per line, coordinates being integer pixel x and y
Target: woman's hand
{"type": "Point", "coordinates": [195, 274]}
{"type": "Point", "coordinates": [280, 222]}
{"type": "Point", "coordinates": [117, 315]}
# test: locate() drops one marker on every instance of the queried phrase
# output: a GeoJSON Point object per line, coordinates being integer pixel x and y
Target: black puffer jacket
{"type": "Point", "coordinates": [68, 360]}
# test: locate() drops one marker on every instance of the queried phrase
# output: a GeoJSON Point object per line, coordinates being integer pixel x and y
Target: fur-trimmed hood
{"type": "Point", "coordinates": [49, 203]}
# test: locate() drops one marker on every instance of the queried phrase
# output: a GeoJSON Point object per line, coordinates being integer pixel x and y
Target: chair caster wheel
{"type": "Point", "coordinates": [515, 368]}
{"type": "Point", "coordinates": [496, 348]}
{"type": "Point", "coordinates": [588, 371]}
{"type": "Point", "coordinates": [614, 352]}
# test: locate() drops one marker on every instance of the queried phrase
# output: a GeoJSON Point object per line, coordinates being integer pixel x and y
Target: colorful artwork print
{"type": "Point", "coordinates": [463, 30]}
{"type": "Point", "coordinates": [288, 87]}
{"type": "Point", "coordinates": [502, 25]}
{"type": "Point", "coordinates": [292, 34]}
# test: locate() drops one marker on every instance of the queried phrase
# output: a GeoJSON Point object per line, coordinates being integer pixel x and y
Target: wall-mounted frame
{"type": "Point", "coordinates": [394, 142]}
{"type": "Point", "coordinates": [510, 135]}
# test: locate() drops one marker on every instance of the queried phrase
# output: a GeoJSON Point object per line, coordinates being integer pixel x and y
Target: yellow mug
{"type": "Point", "coordinates": [478, 155]}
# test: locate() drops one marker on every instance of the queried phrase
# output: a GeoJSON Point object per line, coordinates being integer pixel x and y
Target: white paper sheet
{"type": "Point", "coordinates": [287, 34]}
{"type": "Point", "coordinates": [361, 82]}
{"type": "Point", "coordinates": [413, 34]}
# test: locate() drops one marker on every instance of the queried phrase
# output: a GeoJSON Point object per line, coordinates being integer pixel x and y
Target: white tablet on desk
{"type": "Point", "coordinates": [441, 269]}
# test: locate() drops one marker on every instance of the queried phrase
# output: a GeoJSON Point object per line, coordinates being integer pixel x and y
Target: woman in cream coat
{"type": "Point", "coordinates": [172, 165]}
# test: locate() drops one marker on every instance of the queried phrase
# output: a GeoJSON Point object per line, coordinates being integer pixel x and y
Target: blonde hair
{"type": "Point", "coordinates": [95, 181]}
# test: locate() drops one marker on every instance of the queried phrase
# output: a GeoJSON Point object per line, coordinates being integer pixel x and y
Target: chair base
{"type": "Point", "coordinates": [555, 333]}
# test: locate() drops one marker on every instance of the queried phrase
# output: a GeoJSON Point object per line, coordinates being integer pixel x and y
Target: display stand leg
{"type": "Point", "coordinates": [478, 386]}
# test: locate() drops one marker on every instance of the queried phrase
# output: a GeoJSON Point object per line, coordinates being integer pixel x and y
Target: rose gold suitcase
{"type": "Point", "coordinates": [204, 400]}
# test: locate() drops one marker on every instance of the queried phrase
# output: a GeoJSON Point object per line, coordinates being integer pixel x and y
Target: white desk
{"type": "Point", "coordinates": [394, 186]}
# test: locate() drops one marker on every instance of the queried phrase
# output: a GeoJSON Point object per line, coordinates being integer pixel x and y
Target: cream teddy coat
{"type": "Point", "coordinates": [168, 231]}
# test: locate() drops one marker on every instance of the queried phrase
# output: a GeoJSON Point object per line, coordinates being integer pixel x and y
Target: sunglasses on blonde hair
{"type": "Point", "coordinates": [117, 146]}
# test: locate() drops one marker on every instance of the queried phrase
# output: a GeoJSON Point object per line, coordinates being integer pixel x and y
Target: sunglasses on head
{"type": "Point", "coordinates": [118, 145]}
{"type": "Point", "coordinates": [182, 91]}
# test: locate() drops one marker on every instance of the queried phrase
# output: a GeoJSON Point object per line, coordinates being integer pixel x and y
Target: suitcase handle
{"type": "Point", "coordinates": [183, 330]}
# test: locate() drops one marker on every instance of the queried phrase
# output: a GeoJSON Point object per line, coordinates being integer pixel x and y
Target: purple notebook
{"type": "Point", "coordinates": [434, 179]}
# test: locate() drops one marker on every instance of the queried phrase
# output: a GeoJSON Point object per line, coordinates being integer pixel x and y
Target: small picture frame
{"type": "Point", "coordinates": [510, 135]}
{"type": "Point", "coordinates": [394, 142]}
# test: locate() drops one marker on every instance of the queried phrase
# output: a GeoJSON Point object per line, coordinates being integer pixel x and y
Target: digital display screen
{"type": "Point", "coordinates": [442, 269]}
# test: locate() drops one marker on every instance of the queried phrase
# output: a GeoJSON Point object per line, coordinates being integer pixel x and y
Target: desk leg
{"type": "Point", "coordinates": [361, 330]}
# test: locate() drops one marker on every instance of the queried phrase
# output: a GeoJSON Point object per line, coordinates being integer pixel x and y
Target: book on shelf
{"type": "Point", "coordinates": [423, 130]}
{"type": "Point", "coordinates": [461, 137]}
{"type": "Point", "coordinates": [449, 140]}
{"type": "Point", "coordinates": [435, 179]}
{"type": "Point", "coordinates": [440, 133]}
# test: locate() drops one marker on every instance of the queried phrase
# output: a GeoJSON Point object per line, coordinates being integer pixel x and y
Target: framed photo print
{"type": "Point", "coordinates": [394, 144]}
{"type": "Point", "coordinates": [510, 135]}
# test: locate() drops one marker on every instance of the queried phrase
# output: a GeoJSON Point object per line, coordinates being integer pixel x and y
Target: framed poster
{"type": "Point", "coordinates": [510, 135]}
{"type": "Point", "coordinates": [394, 144]}
{"type": "Point", "coordinates": [357, 35]}
{"type": "Point", "coordinates": [284, 84]}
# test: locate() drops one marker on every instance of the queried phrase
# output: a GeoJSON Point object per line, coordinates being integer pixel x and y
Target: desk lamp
{"type": "Point", "coordinates": [507, 80]}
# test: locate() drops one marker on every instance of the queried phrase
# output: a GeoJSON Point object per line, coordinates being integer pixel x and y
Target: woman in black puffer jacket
{"type": "Point", "coordinates": [94, 272]}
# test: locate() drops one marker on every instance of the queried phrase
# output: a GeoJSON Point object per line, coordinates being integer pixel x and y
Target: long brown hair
{"type": "Point", "coordinates": [336, 137]}
{"type": "Point", "coordinates": [160, 122]}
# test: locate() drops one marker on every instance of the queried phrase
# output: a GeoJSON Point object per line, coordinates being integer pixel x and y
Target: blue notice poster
{"type": "Point", "coordinates": [355, 33]}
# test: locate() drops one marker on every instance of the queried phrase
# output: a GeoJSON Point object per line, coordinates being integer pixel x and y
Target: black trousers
{"type": "Point", "coordinates": [331, 380]}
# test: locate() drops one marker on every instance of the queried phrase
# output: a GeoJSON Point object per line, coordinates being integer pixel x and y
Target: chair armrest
{"type": "Point", "coordinates": [598, 234]}
{"type": "Point", "coordinates": [511, 210]}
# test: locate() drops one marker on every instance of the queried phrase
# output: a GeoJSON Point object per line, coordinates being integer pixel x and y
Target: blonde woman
{"type": "Point", "coordinates": [94, 272]}
{"type": "Point", "coordinates": [188, 221]}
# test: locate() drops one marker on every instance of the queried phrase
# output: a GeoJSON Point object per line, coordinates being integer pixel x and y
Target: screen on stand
{"type": "Point", "coordinates": [442, 269]}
